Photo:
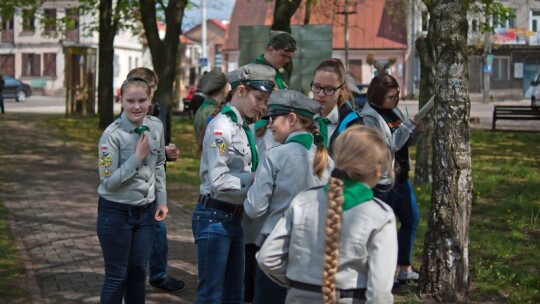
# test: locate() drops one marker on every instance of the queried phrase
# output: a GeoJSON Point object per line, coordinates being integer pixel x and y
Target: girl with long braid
{"type": "Point", "coordinates": [299, 163]}
{"type": "Point", "coordinates": [355, 262]}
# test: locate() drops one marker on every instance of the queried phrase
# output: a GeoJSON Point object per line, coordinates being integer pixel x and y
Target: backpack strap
{"type": "Point", "coordinates": [345, 121]}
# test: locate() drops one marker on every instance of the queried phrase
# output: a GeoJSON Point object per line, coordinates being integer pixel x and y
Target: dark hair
{"type": "Point", "coordinates": [379, 86]}
{"type": "Point", "coordinates": [337, 67]}
{"type": "Point", "coordinates": [144, 73]}
{"type": "Point", "coordinates": [133, 81]}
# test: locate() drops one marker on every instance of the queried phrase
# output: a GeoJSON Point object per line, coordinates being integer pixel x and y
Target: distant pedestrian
{"type": "Point", "coordinates": [1, 94]}
{"type": "Point", "coordinates": [132, 194]}
{"type": "Point", "coordinates": [160, 249]}
{"type": "Point", "coordinates": [280, 50]}
{"type": "Point", "coordinates": [336, 243]}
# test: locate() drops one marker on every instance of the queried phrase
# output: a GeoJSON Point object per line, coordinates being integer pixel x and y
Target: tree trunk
{"type": "Point", "coordinates": [424, 145]}
{"type": "Point", "coordinates": [164, 52]}
{"type": "Point", "coordinates": [445, 268]}
{"type": "Point", "coordinates": [107, 32]}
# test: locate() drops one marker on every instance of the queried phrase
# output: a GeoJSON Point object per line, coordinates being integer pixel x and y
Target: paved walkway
{"type": "Point", "coordinates": [49, 189]}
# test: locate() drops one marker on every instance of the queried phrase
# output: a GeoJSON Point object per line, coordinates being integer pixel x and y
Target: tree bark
{"type": "Point", "coordinates": [445, 268]}
{"type": "Point", "coordinates": [107, 31]}
{"type": "Point", "coordinates": [424, 145]}
{"type": "Point", "coordinates": [164, 52]}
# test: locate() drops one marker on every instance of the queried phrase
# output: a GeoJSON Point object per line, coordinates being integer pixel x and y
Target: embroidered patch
{"type": "Point", "coordinates": [103, 147]}
{"type": "Point", "coordinates": [220, 144]}
{"type": "Point", "coordinates": [218, 132]}
{"type": "Point", "coordinates": [104, 160]}
{"type": "Point", "coordinates": [105, 173]}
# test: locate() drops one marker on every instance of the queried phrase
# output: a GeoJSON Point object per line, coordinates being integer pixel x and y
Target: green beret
{"type": "Point", "coordinates": [212, 81]}
{"type": "Point", "coordinates": [287, 101]}
{"type": "Point", "coordinates": [254, 75]}
{"type": "Point", "coordinates": [282, 40]}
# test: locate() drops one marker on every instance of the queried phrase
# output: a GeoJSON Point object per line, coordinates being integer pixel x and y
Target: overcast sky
{"type": "Point", "coordinates": [219, 9]}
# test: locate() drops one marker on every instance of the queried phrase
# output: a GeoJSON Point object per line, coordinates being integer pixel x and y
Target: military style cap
{"type": "Point", "coordinates": [282, 40]}
{"type": "Point", "coordinates": [287, 101]}
{"type": "Point", "coordinates": [212, 81]}
{"type": "Point", "coordinates": [257, 76]}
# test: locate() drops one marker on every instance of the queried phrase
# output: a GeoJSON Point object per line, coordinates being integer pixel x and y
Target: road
{"type": "Point", "coordinates": [481, 113]}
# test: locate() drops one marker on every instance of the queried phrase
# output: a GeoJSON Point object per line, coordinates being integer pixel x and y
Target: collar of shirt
{"type": "Point", "coordinates": [239, 118]}
{"type": "Point", "coordinates": [301, 138]}
{"type": "Point", "coordinates": [128, 126]}
{"type": "Point", "coordinates": [333, 116]}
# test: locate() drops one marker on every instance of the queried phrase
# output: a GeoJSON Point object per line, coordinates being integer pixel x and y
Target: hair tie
{"type": "Point", "coordinates": [318, 138]}
{"type": "Point", "coordinates": [338, 173]}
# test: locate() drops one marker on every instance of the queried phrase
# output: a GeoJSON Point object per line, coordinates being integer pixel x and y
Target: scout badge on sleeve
{"type": "Point", "coordinates": [104, 158]}
{"type": "Point", "coordinates": [219, 143]}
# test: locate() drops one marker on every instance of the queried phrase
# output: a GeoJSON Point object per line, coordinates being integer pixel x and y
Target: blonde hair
{"type": "Point", "coordinates": [358, 152]}
{"type": "Point", "coordinates": [320, 163]}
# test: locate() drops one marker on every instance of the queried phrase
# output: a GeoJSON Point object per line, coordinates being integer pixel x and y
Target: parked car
{"type": "Point", "coordinates": [14, 88]}
{"type": "Point", "coordinates": [360, 99]}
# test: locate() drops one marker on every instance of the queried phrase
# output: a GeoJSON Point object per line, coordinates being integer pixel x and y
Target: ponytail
{"type": "Point", "coordinates": [320, 163]}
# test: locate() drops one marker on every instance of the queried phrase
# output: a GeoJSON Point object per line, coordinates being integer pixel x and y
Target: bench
{"type": "Point", "coordinates": [515, 113]}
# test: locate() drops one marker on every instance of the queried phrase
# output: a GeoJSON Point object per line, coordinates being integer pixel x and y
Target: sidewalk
{"type": "Point", "coordinates": [49, 189]}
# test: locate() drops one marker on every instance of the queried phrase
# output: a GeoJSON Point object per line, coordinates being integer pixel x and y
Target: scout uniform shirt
{"type": "Point", "coordinates": [294, 251]}
{"type": "Point", "coordinates": [124, 178]}
{"type": "Point", "coordinates": [226, 160]}
{"type": "Point", "coordinates": [285, 171]}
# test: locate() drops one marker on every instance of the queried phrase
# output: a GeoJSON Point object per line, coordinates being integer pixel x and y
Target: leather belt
{"type": "Point", "coordinates": [358, 293]}
{"type": "Point", "coordinates": [209, 202]}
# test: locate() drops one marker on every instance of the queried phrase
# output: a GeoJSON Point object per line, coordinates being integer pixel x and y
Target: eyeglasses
{"type": "Point", "coordinates": [272, 119]}
{"type": "Point", "coordinates": [328, 91]}
{"type": "Point", "coordinates": [393, 97]}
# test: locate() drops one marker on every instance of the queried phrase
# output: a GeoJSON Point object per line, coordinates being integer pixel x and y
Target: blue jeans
{"type": "Point", "coordinates": [267, 291]}
{"type": "Point", "coordinates": [219, 238]}
{"type": "Point", "coordinates": [126, 234]}
{"type": "Point", "coordinates": [403, 201]}
{"type": "Point", "coordinates": [159, 255]}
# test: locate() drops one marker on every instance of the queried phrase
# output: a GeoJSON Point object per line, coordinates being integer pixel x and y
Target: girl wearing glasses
{"type": "Point", "coordinates": [299, 163]}
{"type": "Point", "coordinates": [329, 87]}
{"type": "Point", "coordinates": [381, 112]}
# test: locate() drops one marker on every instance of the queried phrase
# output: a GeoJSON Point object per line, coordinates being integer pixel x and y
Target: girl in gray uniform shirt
{"type": "Point", "coordinates": [356, 262]}
{"type": "Point", "coordinates": [131, 168]}
{"type": "Point", "coordinates": [228, 161]}
{"type": "Point", "coordinates": [299, 163]}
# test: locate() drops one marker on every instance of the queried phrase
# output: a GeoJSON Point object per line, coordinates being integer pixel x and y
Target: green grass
{"type": "Point", "coordinates": [504, 252]}
{"type": "Point", "coordinates": [12, 272]}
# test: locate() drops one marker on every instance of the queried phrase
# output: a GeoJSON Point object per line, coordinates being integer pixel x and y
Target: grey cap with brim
{"type": "Point", "coordinates": [286, 101]}
{"type": "Point", "coordinates": [254, 75]}
{"type": "Point", "coordinates": [212, 81]}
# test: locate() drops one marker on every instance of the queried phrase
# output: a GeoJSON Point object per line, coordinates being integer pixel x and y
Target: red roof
{"type": "Point", "coordinates": [377, 24]}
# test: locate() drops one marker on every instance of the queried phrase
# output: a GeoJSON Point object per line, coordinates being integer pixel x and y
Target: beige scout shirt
{"type": "Point", "coordinates": [368, 246]}
{"type": "Point", "coordinates": [124, 178]}
{"type": "Point", "coordinates": [285, 171]}
{"type": "Point", "coordinates": [225, 169]}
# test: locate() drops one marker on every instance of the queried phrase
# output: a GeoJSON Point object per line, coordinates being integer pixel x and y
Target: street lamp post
{"type": "Point", "coordinates": [345, 8]}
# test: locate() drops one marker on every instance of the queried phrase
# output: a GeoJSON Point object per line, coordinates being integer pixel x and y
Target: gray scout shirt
{"type": "Point", "coordinates": [285, 171]}
{"type": "Point", "coordinates": [124, 178]}
{"type": "Point", "coordinates": [225, 160]}
{"type": "Point", "coordinates": [368, 246]}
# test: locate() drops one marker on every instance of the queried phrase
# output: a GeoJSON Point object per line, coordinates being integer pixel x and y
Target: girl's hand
{"type": "Point", "coordinates": [161, 212]}
{"type": "Point", "coordinates": [143, 147]}
{"type": "Point", "coordinates": [419, 126]}
{"type": "Point", "coordinates": [171, 152]}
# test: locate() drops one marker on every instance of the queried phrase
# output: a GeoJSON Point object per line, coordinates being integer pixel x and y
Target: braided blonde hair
{"type": "Point", "coordinates": [358, 152]}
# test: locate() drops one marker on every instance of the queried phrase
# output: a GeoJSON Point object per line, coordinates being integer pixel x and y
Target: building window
{"type": "Point", "coordinates": [7, 64]}
{"type": "Point", "coordinates": [49, 64]}
{"type": "Point", "coordinates": [31, 64]}
{"type": "Point", "coordinates": [475, 26]}
{"type": "Point", "coordinates": [505, 24]}
{"type": "Point", "coordinates": [501, 68]}
{"type": "Point", "coordinates": [49, 19]}
{"type": "Point", "coordinates": [29, 20]}
{"type": "Point", "coordinates": [535, 21]}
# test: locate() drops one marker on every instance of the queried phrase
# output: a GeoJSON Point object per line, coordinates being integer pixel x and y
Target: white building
{"type": "Point", "coordinates": [30, 51]}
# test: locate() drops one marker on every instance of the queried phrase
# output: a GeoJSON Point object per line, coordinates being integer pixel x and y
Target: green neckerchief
{"type": "Point", "coordinates": [141, 129]}
{"type": "Point", "coordinates": [354, 193]}
{"type": "Point", "coordinates": [304, 139]}
{"type": "Point", "coordinates": [261, 123]}
{"type": "Point", "coordinates": [254, 156]}
{"type": "Point", "coordinates": [207, 102]}
{"type": "Point", "coordinates": [279, 76]}
{"type": "Point", "coordinates": [323, 128]}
